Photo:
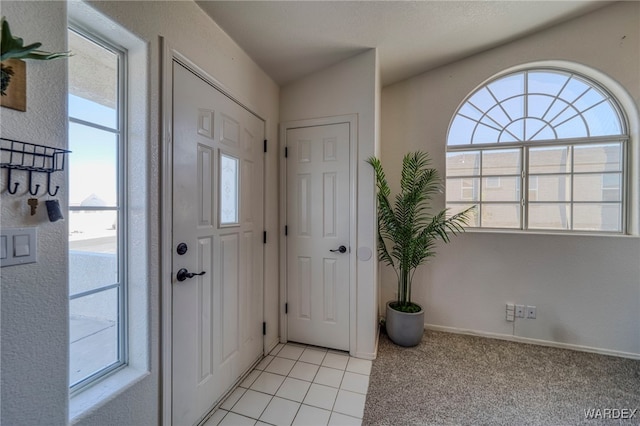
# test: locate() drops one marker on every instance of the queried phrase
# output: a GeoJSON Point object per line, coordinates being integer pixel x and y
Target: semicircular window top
{"type": "Point", "coordinates": [540, 149]}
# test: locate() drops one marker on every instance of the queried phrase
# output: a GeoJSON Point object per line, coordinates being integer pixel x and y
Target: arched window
{"type": "Point", "coordinates": [540, 149]}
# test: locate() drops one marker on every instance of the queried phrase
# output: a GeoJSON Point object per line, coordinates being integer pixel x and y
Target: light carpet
{"type": "Point", "coordinates": [469, 380]}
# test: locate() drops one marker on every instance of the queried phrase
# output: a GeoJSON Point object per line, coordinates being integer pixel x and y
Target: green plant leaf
{"type": "Point", "coordinates": [13, 48]}
{"type": "Point", "coordinates": [407, 230]}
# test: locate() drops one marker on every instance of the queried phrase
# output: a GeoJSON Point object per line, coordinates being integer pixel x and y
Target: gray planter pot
{"type": "Point", "coordinates": [404, 329]}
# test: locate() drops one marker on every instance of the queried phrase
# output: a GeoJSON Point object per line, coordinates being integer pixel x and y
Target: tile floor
{"type": "Point", "coordinates": [299, 385]}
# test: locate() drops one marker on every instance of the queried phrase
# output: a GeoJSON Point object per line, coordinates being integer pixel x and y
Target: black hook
{"type": "Point", "coordinates": [37, 185]}
{"type": "Point", "coordinates": [15, 185]}
{"type": "Point", "coordinates": [49, 186]}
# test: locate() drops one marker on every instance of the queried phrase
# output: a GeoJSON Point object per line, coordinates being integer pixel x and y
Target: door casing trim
{"type": "Point", "coordinates": [168, 57]}
{"type": "Point", "coordinates": [352, 120]}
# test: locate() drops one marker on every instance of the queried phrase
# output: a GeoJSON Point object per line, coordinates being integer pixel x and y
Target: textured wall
{"type": "Point", "coordinates": [349, 87]}
{"type": "Point", "coordinates": [34, 297]}
{"type": "Point", "coordinates": [586, 289]}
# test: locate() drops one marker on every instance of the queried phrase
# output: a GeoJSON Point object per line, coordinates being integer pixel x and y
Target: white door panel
{"type": "Point", "coordinates": [318, 219]}
{"type": "Point", "coordinates": [218, 213]}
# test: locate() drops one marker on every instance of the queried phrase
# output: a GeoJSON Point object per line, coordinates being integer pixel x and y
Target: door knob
{"type": "Point", "coordinates": [183, 274]}
{"type": "Point", "coordinates": [341, 249]}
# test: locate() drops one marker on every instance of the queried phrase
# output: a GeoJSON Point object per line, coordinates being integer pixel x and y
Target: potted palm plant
{"type": "Point", "coordinates": [407, 236]}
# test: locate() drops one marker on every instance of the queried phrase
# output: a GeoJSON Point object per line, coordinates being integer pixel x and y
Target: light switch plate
{"type": "Point", "coordinates": [18, 246]}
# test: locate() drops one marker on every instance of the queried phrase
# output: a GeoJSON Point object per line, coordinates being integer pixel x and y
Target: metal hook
{"type": "Point", "coordinates": [15, 185]}
{"type": "Point", "coordinates": [49, 186]}
{"type": "Point", "coordinates": [37, 185]}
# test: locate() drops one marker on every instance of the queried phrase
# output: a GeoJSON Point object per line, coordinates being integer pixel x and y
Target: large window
{"type": "Point", "coordinates": [97, 223]}
{"type": "Point", "coordinates": [541, 149]}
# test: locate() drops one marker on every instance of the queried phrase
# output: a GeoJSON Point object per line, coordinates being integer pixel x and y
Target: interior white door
{"type": "Point", "coordinates": [318, 218]}
{"type": "Point", "coordinates": [218, 214]}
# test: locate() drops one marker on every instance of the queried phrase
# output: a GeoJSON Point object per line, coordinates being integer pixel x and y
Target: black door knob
{"type": "Point", "coordinates": [183, 274]}
{"type": "Point", "coordinates": [341, 249]}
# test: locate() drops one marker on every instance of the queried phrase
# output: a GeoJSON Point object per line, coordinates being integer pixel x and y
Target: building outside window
{"type": "Point", "coordinates": [97, 222]}
{"type": "Point", "coordinates": [557, 134]}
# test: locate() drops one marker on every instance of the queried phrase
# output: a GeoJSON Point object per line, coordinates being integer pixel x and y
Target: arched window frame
{"type": "Point", "coordinates": [523, 181]}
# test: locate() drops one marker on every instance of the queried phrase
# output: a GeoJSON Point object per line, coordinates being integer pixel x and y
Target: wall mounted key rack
{"type": "Point", "coordinates": [17, 155]}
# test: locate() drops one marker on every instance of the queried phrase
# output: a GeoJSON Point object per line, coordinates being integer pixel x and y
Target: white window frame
{"type": "Point", "coordinates": [142, 209]}
{"type": "Point", "coordinates": [524, 146]}
{"type": "Point", "coordinates": [121, 208]}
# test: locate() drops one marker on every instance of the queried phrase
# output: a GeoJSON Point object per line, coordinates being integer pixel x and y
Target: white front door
{"type": "Point", "coordinates": [217, 232]}
{"type": "Point", "coordinates": [318, 246]}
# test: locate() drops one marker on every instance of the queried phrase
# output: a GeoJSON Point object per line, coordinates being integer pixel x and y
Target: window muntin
{"type": "Point", "coordinates": [556, 134]}
{"type": "Point", "coordinates": [97, 223]}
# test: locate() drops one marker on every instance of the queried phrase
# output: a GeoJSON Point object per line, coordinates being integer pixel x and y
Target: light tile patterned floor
{"type": "Point", "coordinates": [299, 385]}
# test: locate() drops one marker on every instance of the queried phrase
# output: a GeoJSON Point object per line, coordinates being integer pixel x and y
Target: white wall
{"type": "Point", "coordinates": [34, 297]}
{"type": "Point", "coordinates": [586, 288]}
{"type": "Point", "coordinates": [349, 87]}
{"type": "Point", "coordinates": [34, 302]}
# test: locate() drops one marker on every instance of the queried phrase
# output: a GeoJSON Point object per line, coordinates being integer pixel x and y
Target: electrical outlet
{"type": "Point", "coordinates": [531, 312]}
{"type": "Point", "coordinates": [519, 311]}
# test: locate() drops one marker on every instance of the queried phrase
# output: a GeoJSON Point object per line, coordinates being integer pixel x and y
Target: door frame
{"type": "Point", "coordinates": [168, 56]}
{"type": "Point", "coordinates": [352, 120]}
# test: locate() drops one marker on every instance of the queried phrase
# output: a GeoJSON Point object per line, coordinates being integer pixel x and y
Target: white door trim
{"type": "Point", "coordinates": [169, 55]}
{"type": "Point", "coordinates": [352, 120]}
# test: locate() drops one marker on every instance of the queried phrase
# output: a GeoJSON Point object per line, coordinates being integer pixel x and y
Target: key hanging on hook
{"type": "Point", "coordinates": [33, 203]}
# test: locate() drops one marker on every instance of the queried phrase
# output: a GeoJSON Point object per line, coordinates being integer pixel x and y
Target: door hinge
{"type": "Point", "coordinates": [265, 145]}
{"type": "Point", "coordinates": [264, 237]}
{"type": "Point", "coordinates": [286, 230]}
{"type": "Point", "coordinates": [286, 152]}
{"type": "Point", "coordinates": [264, 328]}
{"type": "Point", "coordinates": [286, 308]}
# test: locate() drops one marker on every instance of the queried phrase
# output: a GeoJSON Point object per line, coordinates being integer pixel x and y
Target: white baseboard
{"type": "Point", "coordinates": [528, 340]}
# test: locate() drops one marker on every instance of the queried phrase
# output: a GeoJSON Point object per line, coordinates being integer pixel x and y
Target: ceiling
{"type": "Point", "coordinates": [291, 39]}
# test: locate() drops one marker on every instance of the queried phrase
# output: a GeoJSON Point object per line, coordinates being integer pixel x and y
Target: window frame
{"type": "Point", "coordinates": [624, 139]}
{"type": "Point", "coordinates": [121, 208]}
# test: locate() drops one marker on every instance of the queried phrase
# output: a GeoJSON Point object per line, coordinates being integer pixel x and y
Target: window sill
{"type": "Point", "coordinates": [550, 233]}
{"type": "Point", "coordinates": [96, 395]}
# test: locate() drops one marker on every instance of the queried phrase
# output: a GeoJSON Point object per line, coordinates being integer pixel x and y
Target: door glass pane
{"type": "Point", "coordinates": [93, 250]}
{"type": "Point", "coordinates": [598, 158]}
{"type": "Point", "coordinates": [501, 162]}
{"type": "Point", "coordinates": [549, 216]}
{"type": "Point", "coordinates": [500, 215]}
{"type": "Point", "coordinates": [93, 167]}
{"type": "Point", "coordinates": [93, 329]}
{"type": "Point", "coordinates": [550, 188]}
{"type": "Point", "coordinates": [463, 163]}
{"type": "Point", "coordinates": [501, 189]}
{"type": "Point", "coordinates": [598, 187]}
{"type": "Point", "coordinates": [554, 159]}
{"type": "Point", "coordinates": [93, 76]}
{"type": "Point", "coordinates": [597, 217]}
{"type": "Point", "coordinates": [228, 190]}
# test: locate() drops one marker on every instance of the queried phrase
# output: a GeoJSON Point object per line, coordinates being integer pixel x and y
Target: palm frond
{"type": "Point", "coordinates": [407, 230]}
